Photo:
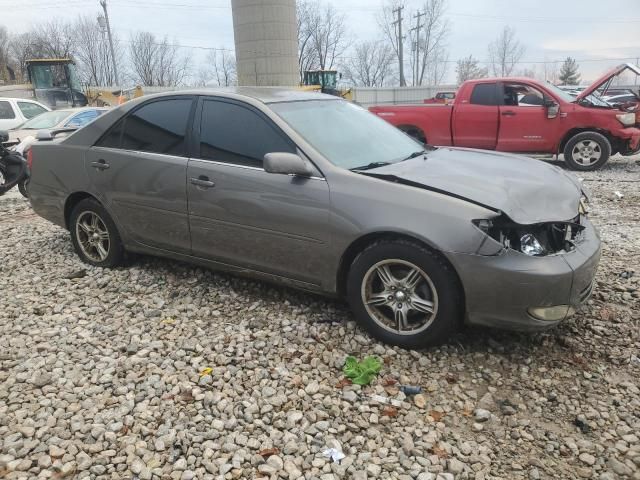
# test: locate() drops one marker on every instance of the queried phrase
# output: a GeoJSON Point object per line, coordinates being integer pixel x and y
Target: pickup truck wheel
{"type": "Point", "coordinates": [404, 294]}
{"type": "Point", "coordinates": [94, 235]}
{"type": "Point", "coordinates": [587, 151]}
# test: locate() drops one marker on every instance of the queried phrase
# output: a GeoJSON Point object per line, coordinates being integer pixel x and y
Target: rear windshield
{"type": "Point", "coordinates": [45, 120]}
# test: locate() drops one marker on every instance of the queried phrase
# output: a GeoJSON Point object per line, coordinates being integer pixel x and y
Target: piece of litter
{"type": "Point", "coordinates": [618, 194]}
{"type": "Point", "coordinates": [410, 389]}
{"type": "Point", "coordinates": [206, 371]}
{"type": "Point", "coordinates": [335, 454]}
{"type": "Point", "coordinates": [379, 399]}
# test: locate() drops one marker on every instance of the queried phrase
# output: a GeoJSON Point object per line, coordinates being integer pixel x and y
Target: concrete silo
{"type": "Point", "coordinates": [265, 34]}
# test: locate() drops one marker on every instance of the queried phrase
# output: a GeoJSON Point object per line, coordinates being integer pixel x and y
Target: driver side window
{"type": "Point", "coordinates": [521, 95]}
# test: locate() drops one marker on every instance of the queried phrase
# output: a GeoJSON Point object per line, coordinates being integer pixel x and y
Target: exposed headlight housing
{"type": "Point", "coordinates": [627, 119]}
{"type": "Point", "coordinates": [535, 240]}
{"type": "Point", "coordinates": [530, 245]}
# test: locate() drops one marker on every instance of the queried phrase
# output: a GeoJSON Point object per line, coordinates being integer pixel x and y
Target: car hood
{"type": "Point", "coordinates": [614, 72]}
{"type": "Point", "coordinates": [18, 134]}
{"type": "Point", "coordinates": [526, 190]}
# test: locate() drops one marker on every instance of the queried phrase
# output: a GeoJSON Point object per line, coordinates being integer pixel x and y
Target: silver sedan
{"type": "Point", "coordinates": [315, 192]}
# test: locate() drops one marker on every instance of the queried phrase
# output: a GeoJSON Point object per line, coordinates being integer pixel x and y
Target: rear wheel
{"type": "Point", "coordinates": [94, 235]}
{"type": "Point", "coordinates": [22, 186]}
{"type": "Point", "coordinates": [404, 294]}
{"type": "Point", "coordinates": [587, 151]}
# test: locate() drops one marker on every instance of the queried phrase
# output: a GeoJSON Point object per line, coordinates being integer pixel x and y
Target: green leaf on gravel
{"type": "Point", "coordinates": [361, 373]}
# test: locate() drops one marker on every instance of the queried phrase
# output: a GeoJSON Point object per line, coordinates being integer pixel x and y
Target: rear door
{"type": "Point", "coordinates": [241, 215]}
{"type": "Point", "coordinates": [524, 126]}
{"type": "Point", "coordinates": [475, 120]}
{"type": "Point", "coordinates": [138, 169]}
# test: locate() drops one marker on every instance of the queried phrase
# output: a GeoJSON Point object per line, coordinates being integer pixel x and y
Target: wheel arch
{"type": "Point", "coordinates": [407, 128]}
{"type": "Point", "coordinates": [359, 244]}
{"type": "Point", "coordinates": [575, 131]}
{"type": "Point", "coordinates": [71, 201]}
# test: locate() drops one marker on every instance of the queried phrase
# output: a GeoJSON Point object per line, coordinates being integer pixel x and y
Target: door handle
{"type": "Point", "coordinates": [100, 165]}
{"type": "Point", "coordinates": [202, 181]}
{"type": "Point", "coordinates": [509, 113]}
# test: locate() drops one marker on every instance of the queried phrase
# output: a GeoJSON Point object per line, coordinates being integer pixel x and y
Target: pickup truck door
{"type": "Point", "coordinates": [243, 216]}
{"type": "Point", "coordinates": [475, 117]}
{"type": "Point", "coordinates": [524, 126]}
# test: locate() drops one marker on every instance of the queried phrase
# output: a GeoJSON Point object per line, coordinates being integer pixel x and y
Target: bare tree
{"type": "Point", "coordinates": [219, 69]}
{"type": "Point", "coordinates": [370, 65]}
{"type": "Point", "coordinates": [4, 54]}
{"type": "Point", "coordinates": [468, 69]}
{"type": "Point", "coordinates": [305, 14]}
{"type": "Point", "coordinates": [92, 53]}
{"type": "Point", "coordinates": [156, 63]}
{"type": "Point", "coordinates": [21, 50]}
{"type": "Point", "coordinates": [437, 66]}
{"type": "Point", "coordinates": [551, 72]}
{"type": "Point", "coordinates": [54, 39]}
{"type": "Point", "coordinates": [505, 52]}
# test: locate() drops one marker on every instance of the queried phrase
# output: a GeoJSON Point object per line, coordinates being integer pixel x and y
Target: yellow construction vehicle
{"type": "Point", "coordinates": [52, 81]}
{"type": "Point", "coordinates": [102, 97]}
{"type": "Point", "coordinates": [324, 81]}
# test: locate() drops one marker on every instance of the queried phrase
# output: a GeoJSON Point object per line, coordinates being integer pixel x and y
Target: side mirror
{"type": "Point", "coordinates": [286, 163]}
{"type": "Point", "coordinates": [552, 109]}
{"type": "Point", "coordinates": [44, 135]}
{"type": "Point", "coordinates": [4, 136]}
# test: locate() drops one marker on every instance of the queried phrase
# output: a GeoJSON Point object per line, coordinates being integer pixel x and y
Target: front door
{"type": "Point", "coordinates": [138, 170]}
{"type": "Point", "coordinates": [241, 215]}
{"type": "Point", "coordinates": [524, 126]}
{"type": "Point", "coordinates": [475, 121]}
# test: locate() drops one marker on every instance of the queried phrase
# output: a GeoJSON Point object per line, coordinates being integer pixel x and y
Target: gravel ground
{"type": "Point", "coordinates": [100, 373]}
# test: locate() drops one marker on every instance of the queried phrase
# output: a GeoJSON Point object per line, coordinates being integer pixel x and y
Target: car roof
{"type": "Point", "coordinates": [30, 100]}
{"type": "Point", "coordinates": [261, 94]}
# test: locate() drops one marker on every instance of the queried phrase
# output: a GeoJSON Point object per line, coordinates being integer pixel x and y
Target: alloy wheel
{"type": "Point", "coordinates": [586, 152]}
{"type": "Point", "coordinates": [399, 296]}
{"type": "Point", "coordinates": [93, 236]}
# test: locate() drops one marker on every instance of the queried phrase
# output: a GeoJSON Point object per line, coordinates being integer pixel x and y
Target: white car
{"type": "Point", "coordinates": [71, 119]}
{"type": "Point", "coordinates": [15, 111]}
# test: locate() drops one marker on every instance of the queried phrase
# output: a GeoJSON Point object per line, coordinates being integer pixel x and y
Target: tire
{"type": "Point", "coordinates": [587, 151]}
{"type": "Point", "coordinates": [22, 186]}
{"type": "Point", "coordinates": [3, 179]}
{"type": "Point", "coordinates": [437, 284]}
{"type": "Point", "coordinates": [86, 243]}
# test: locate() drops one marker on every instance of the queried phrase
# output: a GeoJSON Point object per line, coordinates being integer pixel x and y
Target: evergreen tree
{"type": "Point", "coordinates": [569, 72]}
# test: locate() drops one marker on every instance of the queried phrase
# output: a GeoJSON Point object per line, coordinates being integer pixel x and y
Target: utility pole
{"type": "Point", "coordinates": [417, 16]}
{"type": "Point", "coordinates": [103, 4]}
{"type": "Point", "coordinates": [398, 11]}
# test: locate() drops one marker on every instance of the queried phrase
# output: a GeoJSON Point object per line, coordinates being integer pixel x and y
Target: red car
{"type": "Point", "coordinates": [524, 115]}
{"type": "Point", "coordinates": [442, 97]}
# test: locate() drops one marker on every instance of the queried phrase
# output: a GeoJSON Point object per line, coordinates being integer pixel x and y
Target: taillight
{"type": "Point", "coordinates": [29, 158]}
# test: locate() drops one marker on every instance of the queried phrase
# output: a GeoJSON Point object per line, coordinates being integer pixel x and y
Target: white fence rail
{"type": "Point", "coordinates": [369, 96]}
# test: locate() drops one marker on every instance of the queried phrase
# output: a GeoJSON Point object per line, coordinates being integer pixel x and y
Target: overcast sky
{"type": "Point", "coordinates": [597, 33]}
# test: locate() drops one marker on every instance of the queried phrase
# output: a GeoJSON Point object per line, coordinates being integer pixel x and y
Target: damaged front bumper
{"type": "Point", "coordinates": [512, 290]}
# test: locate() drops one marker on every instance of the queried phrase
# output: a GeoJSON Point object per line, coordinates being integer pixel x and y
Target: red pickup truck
{"type": "Point", "coordinates": [524, 115]}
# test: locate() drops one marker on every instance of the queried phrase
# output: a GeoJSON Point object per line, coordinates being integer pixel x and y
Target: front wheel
{"type": "Point", "coordinates": [587, 151]}
{"type": "Point", "coordinates": [404, 294]}
{"type": "Point", "coordinates": [94, 235]}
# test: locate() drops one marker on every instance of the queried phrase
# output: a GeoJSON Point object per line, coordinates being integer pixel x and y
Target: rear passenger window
{"type": "Point", "coordinates": [111, 139]}
{"type": "Point", "coordinates": [484, 94]}
{"type": "Point", "coordinates": [6, 112]}
{"type": "Point", "coordinates": [158, 127]}
{"type": "Point", "coordinates": [232, 133]}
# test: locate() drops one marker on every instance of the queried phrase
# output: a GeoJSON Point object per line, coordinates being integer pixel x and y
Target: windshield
{"type": "Point", "coordinates": [558, 92]}
{"type": "Point", "coordinates": [346, 134]}
{"type": "Point", "coordinates": [45, 120]}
